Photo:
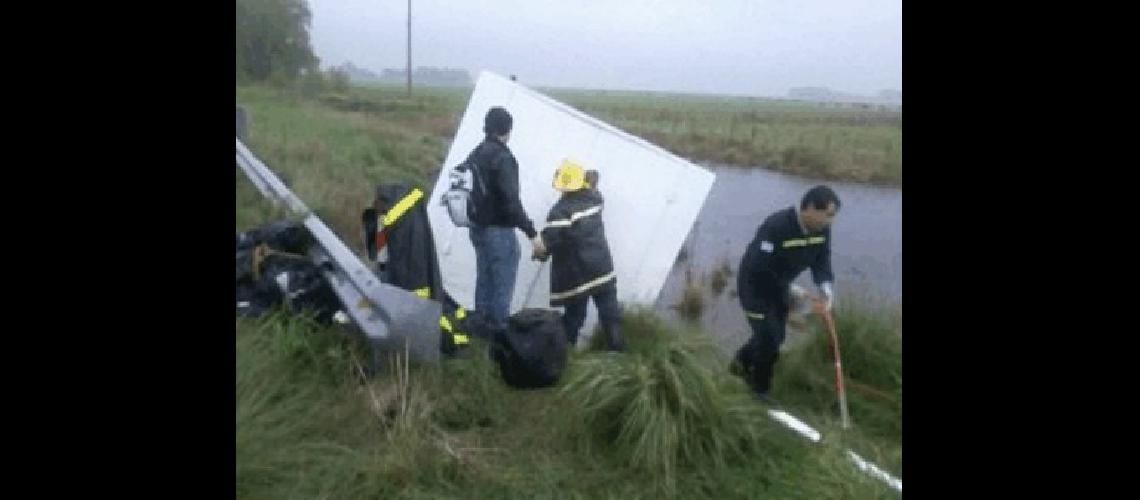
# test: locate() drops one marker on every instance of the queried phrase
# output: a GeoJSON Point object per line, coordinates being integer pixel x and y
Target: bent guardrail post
{"type": "Point", "coordinates": [387, 315]}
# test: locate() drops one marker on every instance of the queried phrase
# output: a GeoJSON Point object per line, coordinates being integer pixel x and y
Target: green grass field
{"type": "Point", "coordinates": [863, 145]}
{"type": "Point", "coordinates": [827, 143]}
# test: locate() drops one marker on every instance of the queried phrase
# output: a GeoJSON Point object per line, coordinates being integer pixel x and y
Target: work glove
{"type": "Point", "coordinates": [828, 295]}
{"type": "Point", "coordinates": [799, 300]}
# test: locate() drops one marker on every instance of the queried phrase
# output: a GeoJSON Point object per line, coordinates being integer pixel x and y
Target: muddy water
{"type": "Point", "coordinates": [866, 244]}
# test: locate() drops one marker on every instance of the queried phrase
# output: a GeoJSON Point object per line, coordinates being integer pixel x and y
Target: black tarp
{"type": "Point", "coordinates": [273, 269]}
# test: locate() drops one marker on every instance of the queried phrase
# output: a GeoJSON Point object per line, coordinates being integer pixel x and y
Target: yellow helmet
{"type": "Point", "coordinates": [570, 176]}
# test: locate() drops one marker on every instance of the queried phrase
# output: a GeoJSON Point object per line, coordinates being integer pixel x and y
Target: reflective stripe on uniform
{"type": "Point", "coordinates": [803, 242]}
{"type": "Point", "coordinates": [460, 313]}
{"type": "Point", "coordinates": [575, 216]}
{"type": "Point", "coordinates": [401, 207]}
{"type": "Point", "coordinates": [752, 315]}
{"type": "Point", "coordinates": [457, 338]}
{"type": "Point", "coordinates": [585, 286]}
{"type": "Point", "coordinates": [424, 292]}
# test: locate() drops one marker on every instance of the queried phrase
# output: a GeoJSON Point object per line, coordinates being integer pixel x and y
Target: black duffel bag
{"type": "Point", "coordinates": [532, 352]}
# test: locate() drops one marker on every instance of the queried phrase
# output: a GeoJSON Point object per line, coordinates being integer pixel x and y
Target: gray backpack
{"type": "Point", "coordinates": [466, 196]}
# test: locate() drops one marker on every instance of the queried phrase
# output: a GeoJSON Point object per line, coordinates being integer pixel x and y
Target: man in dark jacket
{"type": "Point", "coordinates": [582, 266]}
{"type": "Point", "coordinates": [493, 229]}
{"type": "Point", "coordinates": [397, 227]}
{"type": "Point", "coordinates": [788, 242]}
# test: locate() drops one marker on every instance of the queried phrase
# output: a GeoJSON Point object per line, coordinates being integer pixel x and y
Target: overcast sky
{"type": "Point", "coordinates": [750, 47]}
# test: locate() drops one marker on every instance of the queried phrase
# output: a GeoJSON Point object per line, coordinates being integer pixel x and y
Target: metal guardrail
{"type": "Point", "coordinates": [387, 315]}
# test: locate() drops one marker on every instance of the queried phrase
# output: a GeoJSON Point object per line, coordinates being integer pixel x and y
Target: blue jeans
{"type": "Point", "coordinates": [496, 264]}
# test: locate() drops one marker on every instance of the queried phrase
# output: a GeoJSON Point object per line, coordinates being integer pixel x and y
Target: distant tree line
{"type": "Point", "coordinates": [273, 40]}
{"type": "Point", "coordinates": [273, 47]}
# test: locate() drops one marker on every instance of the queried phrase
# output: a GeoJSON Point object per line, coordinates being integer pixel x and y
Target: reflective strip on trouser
{"type": "Point", "coordinates": [609, 314]}
{"type": "Point", "coordinates": [401, 207]}
{"type": "Point", "coordinates": [601, 280]}
{"type": "Point", "coordinates": [424, 292]}
{"type": "Point", "coordinates": [759, 354]}
{"type": "Point", "coordinates": [456, 337]}
{"type": "Point", "coordinates": [460, 338]}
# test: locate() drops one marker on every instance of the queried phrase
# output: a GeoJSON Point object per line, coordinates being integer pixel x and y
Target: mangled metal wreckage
{"type": "Point", "coordinates": [653, 199]}
{"type": "Point", "coordinates": [388, 316]}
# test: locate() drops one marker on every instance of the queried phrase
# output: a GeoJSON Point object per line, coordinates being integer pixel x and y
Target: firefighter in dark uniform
{"type": "Point", "coordinates": [397, 236]}
{"type": "Point", "coordinates": [582, 266]}
{"type": "Point", "coordinates": [787, 243]}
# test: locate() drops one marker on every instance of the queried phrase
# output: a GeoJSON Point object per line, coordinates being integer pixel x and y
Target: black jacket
{"type": "Point", "coordinates": [575, 238]}
{"type": "Point", "coordinates": [412, 263]}
{"type": "Point", "coordinates": [779, 252]}
{"type": "Point", "coordinates": [500, 170]}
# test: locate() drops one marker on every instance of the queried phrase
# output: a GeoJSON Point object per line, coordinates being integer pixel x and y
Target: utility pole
{"type": "Point", "coordinates": [409, 48]}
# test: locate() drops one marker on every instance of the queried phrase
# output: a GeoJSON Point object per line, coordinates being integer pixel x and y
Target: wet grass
{"type": "Point", "coordinates": [718, 279]}
{"type": "Point", "coordinates": [691, 305]}
{"type": "Point", "coordinates": [333, 159]}
{"type": "Point", "coordinates": [860, 144]}
{"type": "Point", "coordinates": [870, 339]}
{"type": "Point", "coordinates": [662, 420]}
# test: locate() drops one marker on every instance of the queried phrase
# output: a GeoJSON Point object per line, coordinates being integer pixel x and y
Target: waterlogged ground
{"type": "Point", "coordinates": [866, 245]}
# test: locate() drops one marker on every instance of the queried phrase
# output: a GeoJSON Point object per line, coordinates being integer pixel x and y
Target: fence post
{"type": "Point", "coordinates": [242, 124]}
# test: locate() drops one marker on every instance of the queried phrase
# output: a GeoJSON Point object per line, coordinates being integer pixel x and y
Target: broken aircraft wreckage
{"type": "Point", "coordinates": [654, 197]}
